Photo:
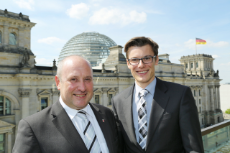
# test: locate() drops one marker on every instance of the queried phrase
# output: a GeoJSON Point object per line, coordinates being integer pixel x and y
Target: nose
{"type": "Point", "coordinates": [141, 64]}
{"type": "Point", "coordinates": [81, 86]}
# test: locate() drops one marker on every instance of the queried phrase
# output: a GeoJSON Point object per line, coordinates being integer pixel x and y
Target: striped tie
{"type": "Point", "coordinates": [91, 141]}
{"type": "Point", "coordinates": [142, 119]}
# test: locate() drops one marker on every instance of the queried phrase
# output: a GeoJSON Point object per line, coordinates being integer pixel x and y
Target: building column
{"type": "Point", "coordinates": [21, 37]}
{"type": "Point", "coordinates": [218, 96]}
{"type": "Point", "coordinates": [9, 142]}
{"type": "Point", "coordinates": [24, 94]}
{"type": "Point", "coordinates": [104, 96]}
{"type": "Point", "coordinates": [28, 36]}
{"type": "Point", "coordinates": [5, 34]}
{"type": "Point", "coordinates": [194, 65]}
{"type": "Point", "coordinates": [189, 66]}
{"type": "Point", "coordinates": [211, 97]}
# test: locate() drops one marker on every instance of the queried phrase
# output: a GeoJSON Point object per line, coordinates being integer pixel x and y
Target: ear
{"type": "Point", "coordinates": [157, 60]}
{"type": "Point", "coordinates": [58, 82]}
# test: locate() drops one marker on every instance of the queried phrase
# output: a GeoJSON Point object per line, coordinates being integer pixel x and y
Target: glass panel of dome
{"type": "Point", "coordinates": [93, 46]}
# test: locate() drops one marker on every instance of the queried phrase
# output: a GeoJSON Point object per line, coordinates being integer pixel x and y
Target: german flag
{"type": "Point", "coordinates": [200, 41]}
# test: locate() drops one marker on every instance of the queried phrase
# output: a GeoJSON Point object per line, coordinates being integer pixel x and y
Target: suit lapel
{"type": "Point", "coordinates": [128, 111]}
{"type": "Point", "coordinates": [159, 104]}
{"type": "Point", "coordinates": [66, 128]}
{"type": "Point", "coordinates": [102, 121]}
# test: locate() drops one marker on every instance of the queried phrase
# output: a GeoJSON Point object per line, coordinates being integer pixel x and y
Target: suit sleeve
{"type": "Point", "coordinates": [189, 124]}
{"type": "Point", "coordinates": [121, 141]}
{"type": "Point", "coordinates": [26, 142]}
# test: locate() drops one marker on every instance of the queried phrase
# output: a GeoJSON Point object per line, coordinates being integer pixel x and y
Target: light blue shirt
{"type": "Point", "coordinates": [148, 98]}
{"type": "Point", "coordinates": [77, 122]}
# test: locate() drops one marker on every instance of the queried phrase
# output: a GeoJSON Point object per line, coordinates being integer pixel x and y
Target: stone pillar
{"type": "Point", "coordinates": [218, 96]}
{"type": "Point", "coordinates": [25, 99]}
{"type": "Point", "coordinates": [189, 66]}
{"type": "Point", "coordinates": [211, 97]}
{"type": "Point", "coordinates": [21, 37]}
{"type": "Point", "coordinates": [5, 34]}
{"type": "Point", "coordinates": [104, 96]}
{"type": "Point", "coordinates": [27, 35]}
{"type": "Point", "coordinates": [9, 143]}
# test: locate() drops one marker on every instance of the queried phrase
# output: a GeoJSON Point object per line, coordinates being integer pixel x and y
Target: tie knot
{"type": "Point", "coordinates": [143, 92]}
{"type": "Point", "coordinates": [82, 114]}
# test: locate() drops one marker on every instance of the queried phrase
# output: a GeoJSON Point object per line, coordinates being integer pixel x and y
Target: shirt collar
{"type": "Point", "coordinates": [72, 112]}
{"type": "Point", "coordinates": [150, 87]}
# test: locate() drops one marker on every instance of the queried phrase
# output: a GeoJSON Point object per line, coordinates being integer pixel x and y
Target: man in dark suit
{"type": "Point", "coordinates": [155, 116]}
{"type": "Point", "coordinates": [72, 124]}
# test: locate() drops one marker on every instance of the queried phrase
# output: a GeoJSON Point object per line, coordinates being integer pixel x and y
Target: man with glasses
{"type": "Point", "coordinates": [155, 116]}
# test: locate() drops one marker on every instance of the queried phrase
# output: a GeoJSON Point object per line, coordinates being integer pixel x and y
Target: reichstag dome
{"type": "Point", "coordinates": [91, 45]}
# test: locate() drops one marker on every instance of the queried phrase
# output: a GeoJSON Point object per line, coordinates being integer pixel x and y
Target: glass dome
{"type": "Point", "coordinates": [91, 45]}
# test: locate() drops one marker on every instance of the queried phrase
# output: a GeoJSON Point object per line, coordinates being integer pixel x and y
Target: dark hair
{"type": "Point", "coordinates": [141, 41]}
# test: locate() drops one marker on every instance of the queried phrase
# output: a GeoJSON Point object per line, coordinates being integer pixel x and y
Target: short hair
{"type": "Point", "coordinates": [141, 41]}
{"type": "Point", "coordinates": [60, 64]}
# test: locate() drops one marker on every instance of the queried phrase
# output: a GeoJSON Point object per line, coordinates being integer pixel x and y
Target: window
{"type": "Point", "coordinates": [199, 92]}
{"type": "Point", "coordinates": [44, 102]}
{"type": "Point", "coordinates": [5, 106]}
{"type": "Point", "coordinates": [194, 92]}
{"type": "Point", "coordinates": [2, 143]}
{"type": "Point", "coordinates": [199, 101]}
{"type": "Point", "coordinates": [196, 64]}
{"type": "Point", "coordinates": [110, 97]}
{"type": "Point", "coordinates": [97, 99]}
{"type": "Point", "coordinates": [12, 39]}
{"type": "Point", "coordinates": [0, 37]}
{"type": "Point", "coordinates": [200, 109]}
{"type": "Point", "coordinates": [191, 65]}
{"type": "Point", "coordinates": [186, 66]}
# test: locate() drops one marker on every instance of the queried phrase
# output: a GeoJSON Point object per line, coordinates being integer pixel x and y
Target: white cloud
{"type": "Point", "coordinates": [78, 11]}
{"type": "Point", "coordinates": [51, 40]}
{"type": "Point", "coordinates": [191, 44]}
{"type": "Point", "coordinates": [27, 4]}
{"type": "Point", "coordinates": [215, 56]}
{"type": "Point", "coordinates": [114, 16]}
{"type": "Point", "coordinates": [218, 44]}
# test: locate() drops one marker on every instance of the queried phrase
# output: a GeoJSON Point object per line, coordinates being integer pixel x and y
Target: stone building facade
{"type": "Point", "coordinates": [26, 88]}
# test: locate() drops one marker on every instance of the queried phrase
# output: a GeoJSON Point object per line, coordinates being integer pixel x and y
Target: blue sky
{"type": "Point", "coordinates": [174, 25]}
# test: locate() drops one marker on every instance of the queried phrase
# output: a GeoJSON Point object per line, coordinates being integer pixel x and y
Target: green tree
{"type": "Point", "coordinates": [227, 111]}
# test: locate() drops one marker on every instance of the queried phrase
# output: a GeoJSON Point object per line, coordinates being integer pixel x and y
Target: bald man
{"type": "Point", "coordinates": [72, 124]}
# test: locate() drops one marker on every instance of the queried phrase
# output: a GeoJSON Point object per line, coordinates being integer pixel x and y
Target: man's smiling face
{"type": "Point", "coordinates": [144, 74]}
{"type": "Point", "coordinates": [76, 82]}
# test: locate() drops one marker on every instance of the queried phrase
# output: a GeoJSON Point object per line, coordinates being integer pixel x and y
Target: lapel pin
{"type": "Point", "coordinates": [103, 120]}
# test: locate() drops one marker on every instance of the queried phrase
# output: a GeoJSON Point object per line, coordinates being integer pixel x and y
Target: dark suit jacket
{"type": "Point", "coordinates": [173, 127]}
{"type": "Point", "coordinates": [52, 131]}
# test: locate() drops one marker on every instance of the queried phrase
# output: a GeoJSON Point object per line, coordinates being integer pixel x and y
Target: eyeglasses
{"type": "Point", "coordinates": [145, 60]}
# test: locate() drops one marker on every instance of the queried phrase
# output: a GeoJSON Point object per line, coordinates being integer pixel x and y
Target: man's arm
{"type": "Point", "coordinates": [189, 124]}
{"type": "Point", "coordinates": [121, 141]}
{"type": "Point", "coordinates": [26, 142]}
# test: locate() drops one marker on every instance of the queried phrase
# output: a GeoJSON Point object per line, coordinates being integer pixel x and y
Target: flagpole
{"type": "Point", "coordinates": [195, 44]}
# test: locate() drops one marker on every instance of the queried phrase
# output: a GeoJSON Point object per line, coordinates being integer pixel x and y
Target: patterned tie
{"type": "Point", "coordinates": [142, 118]}
{"type": "Point", "coordinates": [91, 141]}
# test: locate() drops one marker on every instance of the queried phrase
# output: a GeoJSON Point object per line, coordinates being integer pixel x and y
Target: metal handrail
{"type": "Point", "coordinates": [215, 127]}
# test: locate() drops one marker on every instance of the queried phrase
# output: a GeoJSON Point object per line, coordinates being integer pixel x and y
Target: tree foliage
{"type": "Point", "coordinates": [227, 111]}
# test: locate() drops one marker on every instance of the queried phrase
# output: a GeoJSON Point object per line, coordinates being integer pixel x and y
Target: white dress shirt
{"type": "Point", "coordinates": [77, 122]}
{"type": "Point", "coordinates": [148, 98]}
